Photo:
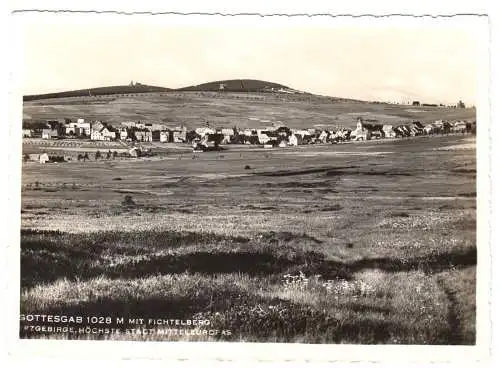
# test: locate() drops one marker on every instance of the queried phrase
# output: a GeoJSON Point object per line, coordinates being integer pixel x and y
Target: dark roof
{"type": "Point", "coordinates": [373, 127]}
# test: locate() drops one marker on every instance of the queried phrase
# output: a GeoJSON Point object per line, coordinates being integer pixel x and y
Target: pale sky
{"type": "Point", "coordinates": [435, 65]}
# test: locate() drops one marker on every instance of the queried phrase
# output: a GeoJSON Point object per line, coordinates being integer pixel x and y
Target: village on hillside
{"type": "Point", "coordinates": [208, 138]}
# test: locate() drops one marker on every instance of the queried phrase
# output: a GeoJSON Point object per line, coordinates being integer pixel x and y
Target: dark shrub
{"type": "Point", "coordinates": [128, 201]}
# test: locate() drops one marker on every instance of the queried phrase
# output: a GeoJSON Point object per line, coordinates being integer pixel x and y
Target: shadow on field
{"type": "Point", "coordinates": [39, 267]}
{"type": "Point", "coordinates": [301, 184]}
{"type": "Point", "coordinates": [251, 263]}
{"type": "Point", "coordinates": [258, 208]}
{"type": "Point", "coordinates": [47, 256]}
{"type": "Point", "coordinates": [369, 173]}
{"type": "Point", "coordinates": [317, 208]}
{"type": "Point", "coordinates": [303, 171]}
{"type": "Point", "coordinates": [432, 263]}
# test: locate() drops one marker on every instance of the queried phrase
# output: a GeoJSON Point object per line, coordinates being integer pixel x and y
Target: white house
{"type": "Point", "coordinates": [78, 128]}
{"type": "Point", "coordinates": [323, 136]}
{"type": "Point", "coordinates": [227, 132]}
{"type": "Point", "coordinates": [459, 127]}
{"type": "Point", "coordinates": [27, 133]}
{"type": "Point", "coordinates": [123, 134]}
{"type": "Point", "coordinates": [70, 128]}
{"type": "Point", "coordinates": [389, 131]}
{"type": "Point", "coordinates": [103, 135]}
{"type": "Point", "coordinates": [292, 140]}
{"type": "Point", "coordinates": [100, 132]}
{"type": "Point", "coordinates": [82, 128]}
{"type": "Point", "coordinates": [179, 135]}
{"type": "Point", "coordinates": [143, 135]}
{"type": "Point", "coordinates": [263, 137]}
{"type": "Point", "coordinates": [204, 131]}
{"type": "Point", "coordinates": [429, 129]}
{"type": "Point", "coordinates": [44, 158]}
{"type": "Point", "coordinates": [439, 123]}
{"type": "Point", "coordinates": [164, 136]}
{"type": "Point", "coordinates": [49, 133]}
{"type": "Point", "coordinates": [96, 135]}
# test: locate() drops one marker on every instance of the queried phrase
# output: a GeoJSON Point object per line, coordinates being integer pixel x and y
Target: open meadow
{"type": "Point", "coordinates": [371, 242]}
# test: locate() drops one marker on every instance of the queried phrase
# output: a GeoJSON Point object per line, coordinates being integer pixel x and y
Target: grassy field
{"type": "Point", "coordinates": [353, 243]}
{"type": "Point", "coordinates": [244, 110]}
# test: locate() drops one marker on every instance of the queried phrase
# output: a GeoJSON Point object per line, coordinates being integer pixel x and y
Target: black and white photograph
{"type": "Point", "coordinates": [202, 179]}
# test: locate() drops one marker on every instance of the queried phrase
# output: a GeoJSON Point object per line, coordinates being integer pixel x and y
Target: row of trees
{"type": "Point", "coordinates": [98, 155]}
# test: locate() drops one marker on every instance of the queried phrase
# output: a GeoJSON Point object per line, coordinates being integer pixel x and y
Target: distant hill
{"type": "Point", "coordinates": [99, 91]}
{"type": "Point", "coordinates": [232, 85]}
{"type": "Point", "coordinates": [229, 85]}
{"type": "Point", "coordinates": [238, 85]}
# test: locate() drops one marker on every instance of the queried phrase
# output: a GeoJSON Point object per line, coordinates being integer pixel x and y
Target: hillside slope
{"type": "Point", "coordinates": [99, 91]}
{"type": "Point", "coordinates": [244, 110]}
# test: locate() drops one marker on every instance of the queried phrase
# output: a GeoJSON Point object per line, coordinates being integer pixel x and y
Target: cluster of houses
{"type": "Point", "coordinates": [101, 131]}
{"type": "Point", "coordinates": [282, 136]}
{"type": "Point", "coordinates": [205, 137]}
{"type": "Point", "coordinates": [367, 131]}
